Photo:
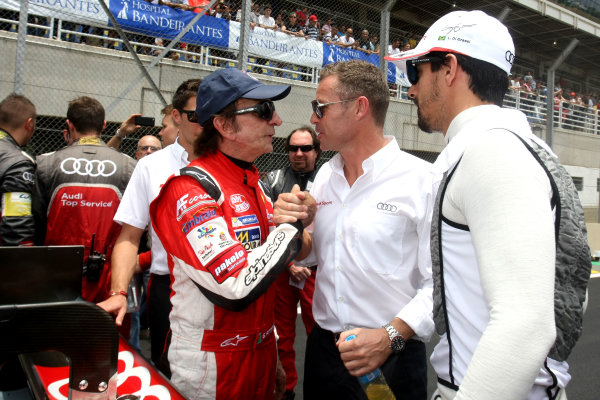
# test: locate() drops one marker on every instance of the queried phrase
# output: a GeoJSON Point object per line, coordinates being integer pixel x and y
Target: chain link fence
{"type": "Point", "coordinates": [132, 54]}
{"type": "Point", "coordinates": [132, 58]}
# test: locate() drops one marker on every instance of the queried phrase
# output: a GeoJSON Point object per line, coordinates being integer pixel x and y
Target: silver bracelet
{"type": "Point", "coordinates": [118, 135]}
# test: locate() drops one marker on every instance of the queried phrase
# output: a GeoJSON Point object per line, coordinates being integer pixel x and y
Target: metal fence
{"type": "Point", "coordinates": [124, 37]}
{"type": "Point", "coordinates": [81, 36]}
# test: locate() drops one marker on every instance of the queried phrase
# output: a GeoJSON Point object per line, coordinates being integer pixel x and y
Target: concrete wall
{"type": "Point", "coordinates": [56, 72]}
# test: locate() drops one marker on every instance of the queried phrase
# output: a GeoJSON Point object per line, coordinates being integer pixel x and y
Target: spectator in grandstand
{"type": "Point", "coordinates": [293, 28]}
{"type": "Point", "coordinates": [407, 46]}
{"type": "Point", "coordinates": [17, 171]}
{"type": "Point", "coordinates": [222, 11]}
{"type": "Point", "coordinates": [364, 43]}
{"type": "Point", "coordinates": [311, 31]}
{"type": "Point", "coordinates": [542, 89]}
{"type": "Point", "coordinates": [238, 12]}
{"type": "Point", "coordinates": [227, 252]}
{"type": "Point", "coordinates": [266, 21]}
{"type": "Point", "coordinates": [579, 111]}
{"type": "Point", "coordinates": [170, 130]}
{"type": "Point", "coordinates": [127, 128]}
{"type": "Point", "coordinates": [255, 15]}
{"type": "Point", "coordinates": [334, 36]}
{"type": "Point", "coordinates": [412, 41]}
{"type": "Point", "coordinates": [347, 40]}
{"type": "Point", "coordinates": [302, 14]}
{"type": "Point", "coordinates": [79, 188]}
{"type": "Point", "coordinates": [342, 31]}
{"type": "Point", "coordinates": [326, 27]}
{"type": "Point", "coordinates": [394, 48]}
{"type": "Point", "coordinates": [279, 21]}
{"type": "Point", "coordinates": [532, 83]}
{"type": "Point", "coordinates": [561, 105]}
{"type": "Point", "coordinates": [324, 36]}
{"type": "Point", "coordinates": [506, 324]}
{"type": "Point", "coordinates": [514, 83]}
{"type": "Point", "coordinates": [150, 174]}
{"type": "Point", "coordinates": [527, 96]}
{"type": "Point", "coordinates": [297, 283]}
{"type": "Point", "coordinates": [375, 41]}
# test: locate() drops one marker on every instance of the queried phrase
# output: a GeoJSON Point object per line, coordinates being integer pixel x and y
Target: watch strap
{"type": "Point", "coordinates": [394, 337]}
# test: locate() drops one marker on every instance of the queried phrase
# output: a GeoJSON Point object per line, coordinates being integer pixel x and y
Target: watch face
{"type": "Point", "coordinates": [397, 344]}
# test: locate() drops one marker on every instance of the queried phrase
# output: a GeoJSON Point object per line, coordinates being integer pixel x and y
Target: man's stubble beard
{"type": "Point", "coordinates": [424, 124]}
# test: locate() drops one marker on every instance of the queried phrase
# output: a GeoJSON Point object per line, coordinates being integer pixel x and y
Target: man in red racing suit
{"type": "Point", "coordinates": [215, 221]}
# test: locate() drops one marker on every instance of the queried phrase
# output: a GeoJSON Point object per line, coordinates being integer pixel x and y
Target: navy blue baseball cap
{"type": "Point", "coordinates": [226, 85]}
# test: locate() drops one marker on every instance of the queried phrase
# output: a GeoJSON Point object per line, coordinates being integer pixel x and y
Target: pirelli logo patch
{"type": "Point", "coordinates": [16, 204]}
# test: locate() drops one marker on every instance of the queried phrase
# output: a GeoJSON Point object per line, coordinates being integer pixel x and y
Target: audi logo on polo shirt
{"type": "Point", "coordinates": [387, 207]}
{"type": "Point", "coordinates": [83, 167]}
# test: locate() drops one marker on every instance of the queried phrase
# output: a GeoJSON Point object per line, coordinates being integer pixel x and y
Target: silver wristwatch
{"type": "Point", "coordinates": [397, 342]}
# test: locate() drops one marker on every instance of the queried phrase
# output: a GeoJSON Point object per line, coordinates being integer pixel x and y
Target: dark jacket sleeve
{"type": "Point", "coordinates": [17, 225]}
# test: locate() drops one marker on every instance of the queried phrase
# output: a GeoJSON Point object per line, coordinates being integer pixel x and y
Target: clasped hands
{"type": "Point", "coordinates": [294, 206]}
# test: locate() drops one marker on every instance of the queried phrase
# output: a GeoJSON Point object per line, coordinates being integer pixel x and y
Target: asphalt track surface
{"type": "Point", "coordinates": [584, 360]}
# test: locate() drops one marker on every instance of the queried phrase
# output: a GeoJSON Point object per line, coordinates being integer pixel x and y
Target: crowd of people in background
{"type": "Point", "coordinates": [572, 110]}
{"type": "Point", "coordinates": [298, 22]}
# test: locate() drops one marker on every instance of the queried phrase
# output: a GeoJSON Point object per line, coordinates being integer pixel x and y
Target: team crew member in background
{"type": "Point", "coordinates": [507, 324]}
{"type": "Point", "coordinates": [79, 188]}
{"type": "Point", "coordinates": [133, 214]}
{"type": "Point", "coordinates": [370, 239]}
{"type": "Point", "coordinates": [223, 344]}
{"type": "Point", "coordinates": [297, 284]}
{"type": "Point", "coordinates": [17, 171]}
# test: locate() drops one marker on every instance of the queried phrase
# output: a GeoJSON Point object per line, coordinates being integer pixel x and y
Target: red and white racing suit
{"type": "Point", "coordinates": [214, 221]}
{"type": "Point", "coordinates": [79, 189]}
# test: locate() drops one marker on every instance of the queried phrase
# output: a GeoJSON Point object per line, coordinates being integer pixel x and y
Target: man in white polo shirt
{"type": "Point", "coordinates": [147, 178]}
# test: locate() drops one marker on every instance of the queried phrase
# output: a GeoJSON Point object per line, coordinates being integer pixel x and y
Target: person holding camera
{"type": "Point", "coordinates": [78, 189]}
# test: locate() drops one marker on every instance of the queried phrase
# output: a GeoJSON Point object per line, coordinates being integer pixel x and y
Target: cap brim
{"type": "Point", "coordinates": [416, 52]}
{"type": "Point", "coordinates": [401, 59]}
{"type": "Point", "coordinates": [268, 92]}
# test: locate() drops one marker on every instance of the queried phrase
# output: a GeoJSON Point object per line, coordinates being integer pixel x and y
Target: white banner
{"type": "Point", "coordinates": [279, 46]}
{"type": "Point", "coordinates": [83, 11]}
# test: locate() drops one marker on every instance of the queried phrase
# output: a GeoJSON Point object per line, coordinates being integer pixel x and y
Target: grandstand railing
{"type": "Point", "coordinates": [567, 115]}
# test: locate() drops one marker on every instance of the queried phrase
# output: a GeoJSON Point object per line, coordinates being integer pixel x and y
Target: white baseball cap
{"type": "Point", "coordinates": [471, 33]}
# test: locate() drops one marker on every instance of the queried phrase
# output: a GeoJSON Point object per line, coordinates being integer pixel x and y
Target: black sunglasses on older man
{"type": "Point", "coordinates": [264, 109]}
{"type": "Point", "coordinates": [305, 148]}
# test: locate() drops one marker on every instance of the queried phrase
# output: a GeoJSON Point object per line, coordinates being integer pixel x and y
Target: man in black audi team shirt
{"type": "Point", "coordinates": [17, 171]}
